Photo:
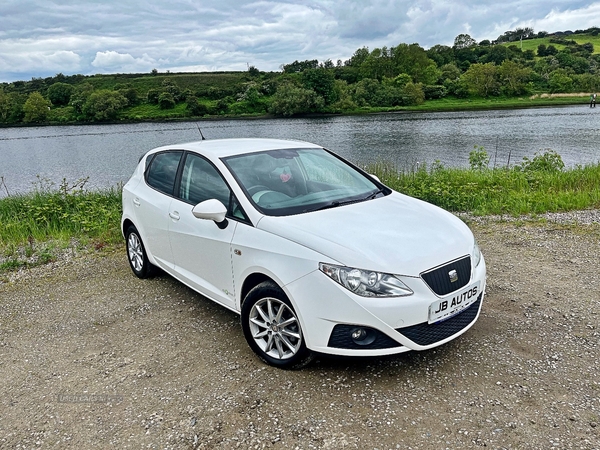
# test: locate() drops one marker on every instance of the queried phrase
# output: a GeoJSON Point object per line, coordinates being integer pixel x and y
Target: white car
{"type": "Point", "coordinates": [316, 255]}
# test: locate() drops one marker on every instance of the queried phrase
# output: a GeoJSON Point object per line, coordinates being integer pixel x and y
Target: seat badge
{"type": "Point", "coordinates": [453, 274]}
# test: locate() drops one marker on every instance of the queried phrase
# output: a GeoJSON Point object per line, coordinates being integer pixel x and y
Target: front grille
{"type": "Point", "coordinates": [427, 334]}
{"type": "Point", "coordinates": [341, 337]}
{"type": "Point", "coordinates": [439, 279]}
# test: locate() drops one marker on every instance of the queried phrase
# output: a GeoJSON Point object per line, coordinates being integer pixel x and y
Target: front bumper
{"type": "Point", "coordinates": [329, 314]}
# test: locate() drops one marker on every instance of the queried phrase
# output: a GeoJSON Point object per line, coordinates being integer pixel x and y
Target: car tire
{"type": "Point", "coordinates": [136, 254]}
{"type": "Point", "coordinates": [272, 328]}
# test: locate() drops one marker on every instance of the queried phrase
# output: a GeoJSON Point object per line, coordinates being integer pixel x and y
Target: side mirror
{"type": "Point", "coordinates": [211, 209]}
{"type": "Point", "coordinates": [375, 177]}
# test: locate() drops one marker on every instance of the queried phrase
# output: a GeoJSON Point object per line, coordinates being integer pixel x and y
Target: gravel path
{"type": "Point", "coordinates": [92, 357]}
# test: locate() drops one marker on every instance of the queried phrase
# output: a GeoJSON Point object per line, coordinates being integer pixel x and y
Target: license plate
{"type": "Point", "coordinates": [453, 304]}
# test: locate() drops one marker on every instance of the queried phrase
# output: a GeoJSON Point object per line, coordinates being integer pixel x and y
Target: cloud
{"type": "Point", "coordinates": [110, 62]}
{"type": "Point", "coordinates": [41, 37]}
{"type": "Point", "coordinates": [569, 19]}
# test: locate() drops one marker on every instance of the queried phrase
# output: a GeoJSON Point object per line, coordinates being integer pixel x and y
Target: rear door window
{"type": "Point", "coordinates": [162, 172]}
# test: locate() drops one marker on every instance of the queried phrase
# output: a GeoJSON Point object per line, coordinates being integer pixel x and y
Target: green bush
{"type": "Point", "coordinates": [479, 158]}
{"type": "Point", "coordinates": [549, 161]}
{"type": "Point", "coordinates": [36, 108]}
{"type": "Point", "coordinates": [60, 93]}
{"type": "Point", "coordinates": [195, 107]}
{"type": "Point", "coordinates": [104, 105]}
{"type": "Point", "coordinates": [434, 91]}
{"type": "Point", "coordinates": [290, 100]}
{"type": "Point", "coordinates": [544, 186]}
{"type": "Point", "coordinates": [166, 100]}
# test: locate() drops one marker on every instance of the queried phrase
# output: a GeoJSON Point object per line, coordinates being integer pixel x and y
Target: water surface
{"type": "Point", "coordinates": [107, 154]}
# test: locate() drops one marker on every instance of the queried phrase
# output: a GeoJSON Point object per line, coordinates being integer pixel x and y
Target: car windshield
{"type": "Point", "coordinates": [294, 181]}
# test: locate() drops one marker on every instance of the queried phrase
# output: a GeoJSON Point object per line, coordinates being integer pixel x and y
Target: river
{"type": "Point", "coordinates": [107, 154]}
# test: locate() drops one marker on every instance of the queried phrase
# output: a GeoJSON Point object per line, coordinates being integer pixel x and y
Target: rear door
{"type": "Point", "coordinates": [152, 200]}
{"type": "Point", "coordinates": [201, 249]}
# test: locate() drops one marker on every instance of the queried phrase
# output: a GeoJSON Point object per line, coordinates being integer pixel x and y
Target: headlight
{"type": "Point", "coordinates": [476, 255]}
{"type": "Point", "coordinates": [366, 283]}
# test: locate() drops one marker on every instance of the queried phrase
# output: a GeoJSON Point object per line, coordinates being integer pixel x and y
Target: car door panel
{"type": "Point", "coordinates": [151, 208]}
{"type": "Point", "coordinates": [202, 253]}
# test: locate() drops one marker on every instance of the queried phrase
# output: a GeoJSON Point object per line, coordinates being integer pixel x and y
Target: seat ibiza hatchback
{"type": "Point", "coordinates": [316, 255]}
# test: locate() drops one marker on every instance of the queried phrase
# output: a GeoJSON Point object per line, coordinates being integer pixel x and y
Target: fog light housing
{"type": "Point", "coordinates": [362, 336]}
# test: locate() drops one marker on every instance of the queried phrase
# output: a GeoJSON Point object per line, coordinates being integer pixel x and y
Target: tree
{"type": "Point", "coordinates": [370, 92]}
{"type": "Point", "coordinates": [513, 77]}
{"type": "Point", "coordinates": [413, 60]}
{"type": "Point", "coordinates": [559, 81]}
{"type": "Point", "coordinates": [104, 104]}
{"type": "Point", "coordinates": [322, 81]}
{"type": "Point", "coordinates": [401, 80]}
{"type": "Point", "coordinates": [481, 79]}
{"type": "Point", "coordinates": [497, 54]}
{"type": "Point", "coordinates": [463, 41]}
{"type": "Point", "coordinates": [36, 108]}
{"type": "Point", "coordinates": [300, 66]}
{"type": "Point", "coordinates": [290, 100]}
{"type": "Point", "coordinates": [441, 54]}
{"type": "Point", "coordinates": [358, 58]}
{"type": "Point", "coordinates": [412, 94]}
{"type": "Point", "coordinates": [5, 106]}
{"type": "Point", "coordinates": [60, 94]}
{"type": "Point", "coordinates": [80, 96]}
{"type": "Point", "coordinates": [450, 72]}
{"type": "Point", "coordinates": [377, 65]}
{"type": "Point", "coordinates": [541, 50]}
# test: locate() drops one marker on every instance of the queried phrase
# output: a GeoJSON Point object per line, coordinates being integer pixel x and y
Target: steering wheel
{"type": "Point", "coordinates": [257, 188]}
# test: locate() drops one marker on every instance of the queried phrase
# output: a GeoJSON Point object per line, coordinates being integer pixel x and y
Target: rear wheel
{"type": "Point", "coordinates": [272, 329]}
{"type": "Point", "coordinates": [136, 254]}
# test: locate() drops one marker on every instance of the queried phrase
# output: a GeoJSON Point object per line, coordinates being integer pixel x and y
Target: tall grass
{"type": "Point", "coordinates": [29, 222]}
{"type": "Point", "coordinates": [497, 191]}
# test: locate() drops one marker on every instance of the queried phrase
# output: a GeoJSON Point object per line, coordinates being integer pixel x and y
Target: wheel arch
{"type": "Point", "coordinates": [125, 225]}
{"type": "Point", "coordinates": [253, 280]}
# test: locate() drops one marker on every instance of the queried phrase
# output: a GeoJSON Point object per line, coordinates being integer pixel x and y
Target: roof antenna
{"type": "Point", "coordinates": [203, 138]}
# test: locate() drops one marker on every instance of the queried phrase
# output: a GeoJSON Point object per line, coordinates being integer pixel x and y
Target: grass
{"type": "Point", "coordinates": [37, 227]}
{"type": "Point", "coordinates": [498, 191]}
{"type": "Point", "coordinates": [532, 44]}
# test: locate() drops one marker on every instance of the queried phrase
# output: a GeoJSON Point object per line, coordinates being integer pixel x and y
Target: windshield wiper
{"type": "Point", "coordinates": [373, 195]}
{"type": "Point", "coordinates": [336, 203]}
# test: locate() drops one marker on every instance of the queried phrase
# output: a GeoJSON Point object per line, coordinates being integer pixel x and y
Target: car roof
{"type": "Point", "coordinates": [219, 148]}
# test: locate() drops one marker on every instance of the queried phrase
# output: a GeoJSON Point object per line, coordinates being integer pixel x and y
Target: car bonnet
{"type": "Point", "coordinates": [394, 234]}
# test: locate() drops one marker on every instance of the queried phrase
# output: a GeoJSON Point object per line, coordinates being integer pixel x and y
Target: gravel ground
{"type": "Point", "coordinates": [92, 357]}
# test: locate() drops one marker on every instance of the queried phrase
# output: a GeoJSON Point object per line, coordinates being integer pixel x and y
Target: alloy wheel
{"type": "Point", "coordinates": [275, 328]}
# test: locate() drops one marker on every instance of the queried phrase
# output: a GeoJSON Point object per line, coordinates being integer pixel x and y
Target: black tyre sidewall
{"type": "Point", "coordinates": [269, 289]}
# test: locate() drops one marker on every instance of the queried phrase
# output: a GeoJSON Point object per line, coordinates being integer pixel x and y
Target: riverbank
{"type": "Point", "coordinates": [446, 104]}
{"type": "Point", "coordinates": [40, 226]}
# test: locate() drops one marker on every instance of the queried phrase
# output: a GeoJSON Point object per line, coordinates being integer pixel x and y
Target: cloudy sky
{"type": "Point", "coordinates": [40, 38]}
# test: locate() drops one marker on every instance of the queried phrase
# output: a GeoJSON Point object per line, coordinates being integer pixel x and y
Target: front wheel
{"type": "Point", "coordinates": [272, 328]}
{"type": "Point", "coordinates": [136, 254]}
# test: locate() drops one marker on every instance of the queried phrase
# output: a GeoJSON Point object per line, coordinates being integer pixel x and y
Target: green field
{"type": "Point", "coordinates": [532, 44]}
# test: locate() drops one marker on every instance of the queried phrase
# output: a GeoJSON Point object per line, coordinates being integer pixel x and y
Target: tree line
{"type": "Point", "coordinates": [387, 77]}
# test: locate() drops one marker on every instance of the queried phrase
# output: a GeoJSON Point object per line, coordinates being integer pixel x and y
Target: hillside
{"type": "Point", "coordinates": [405, 76]}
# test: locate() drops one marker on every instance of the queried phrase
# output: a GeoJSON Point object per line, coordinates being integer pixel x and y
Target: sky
{"type": "Point", "coordinates": [41, 38]}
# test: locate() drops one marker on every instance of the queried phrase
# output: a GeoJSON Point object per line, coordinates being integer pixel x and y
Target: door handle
{"type": "Point", "coordinates": [136, 202]}
{"type": "Point", "coordinates": [174, 215]}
